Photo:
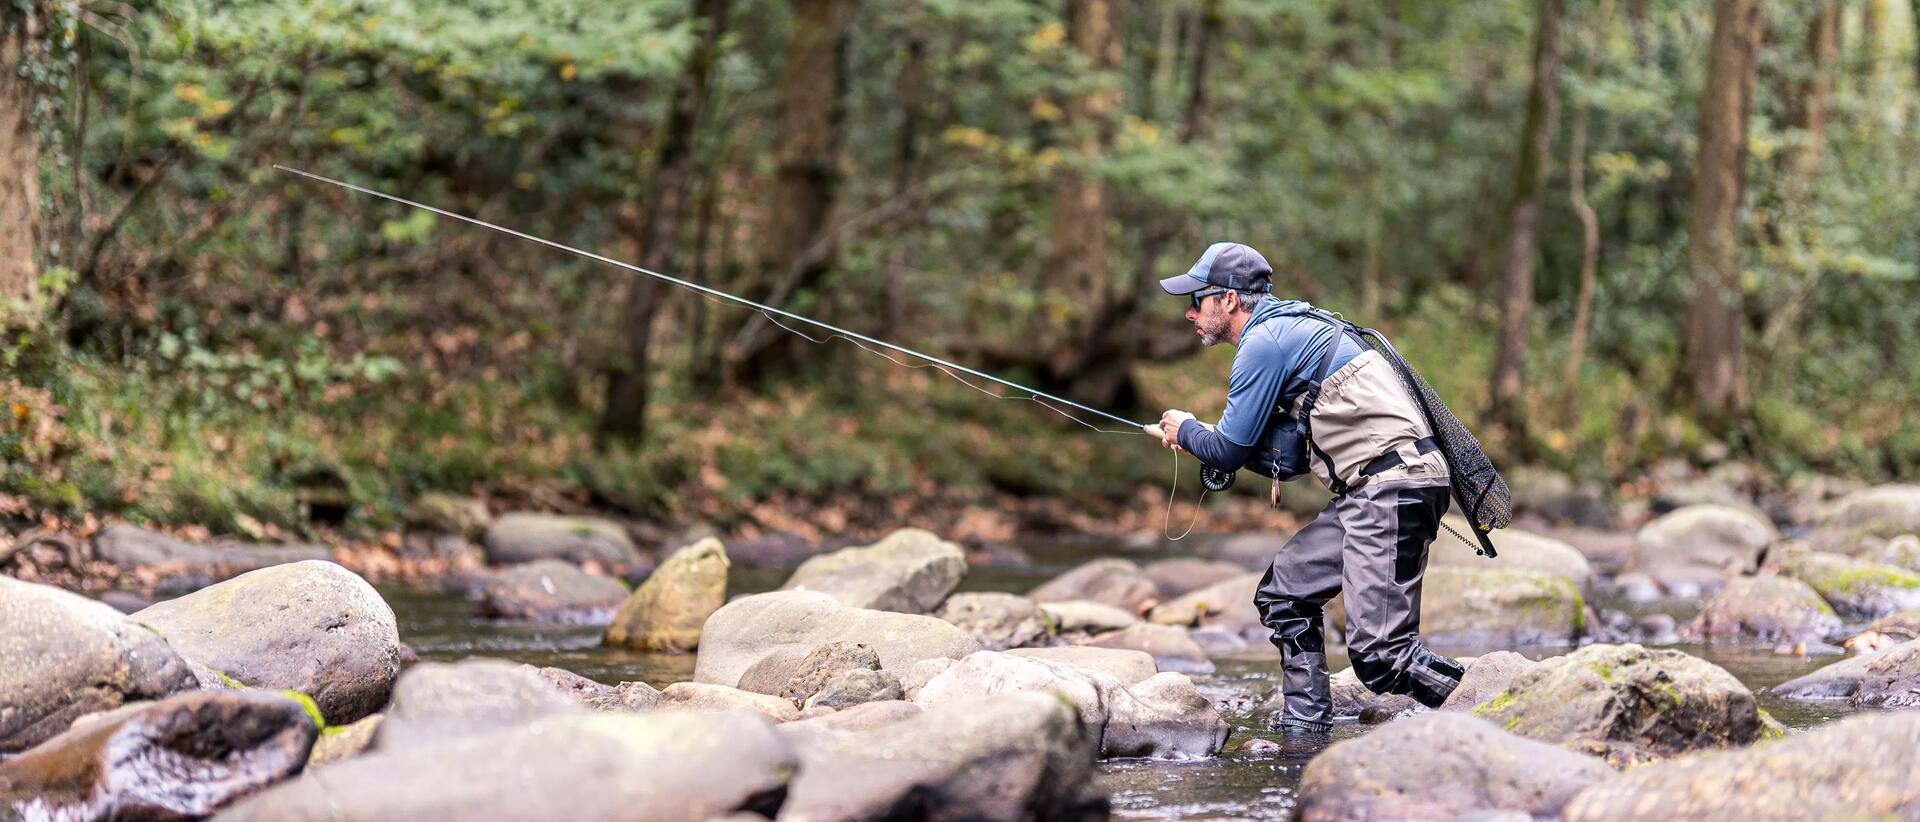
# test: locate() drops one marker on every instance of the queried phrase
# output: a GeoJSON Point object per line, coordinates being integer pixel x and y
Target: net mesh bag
{"type": "Point", "coordinates": [1482, 493]}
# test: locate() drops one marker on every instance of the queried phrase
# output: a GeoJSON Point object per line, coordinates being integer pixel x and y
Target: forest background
{"type": "Point", "coordinates": [1614, 235]}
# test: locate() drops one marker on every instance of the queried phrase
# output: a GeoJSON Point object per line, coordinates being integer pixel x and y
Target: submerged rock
{"type": "Point", "coordinates": [996, 621]}
{"type": "Point", "coordinates": [1171, 647]}
{"type": "Point", "coordinates": [1861, 767]}
{"type": "Point", "coordinates": [751, 627]}
{"type": "Point", "coordinates": [1860, 520]}
{"type": "Point", "coordinates": [665, 613]}
{"type": "Point", "coordinates": [525, 537]}
{"type": "Point", "coordinates": [1696, 547]}
{"type": "Point", "coordinates": [1887, 678]}
{"type": "Point", "coordinates": [312, 627]}
{"type": "Point", "coordinates": [910, 571]}
{"type": "Point", "coordinates": [1184, 575]}
{"type": "Point", "coordinates": [183, 757]}
{"type": "Point", "coordinates": [63, 656]}
{"type": "Point", "coordinates": [1763, 609]}
{"type": "Point", "coordinates": [1627, 704]}
{"type": "Point", "coordinates": [1115, 582]}
{"type": "Point", "coordinates": [552, 592]}
{"type": "Point", "coordinates": [667, 765]}
{"type": "Point", "coordinates": [1440, 766]}
{"type": "Point", "coordinates": [442, 700]}
{"type": "Point", "coordinates": [1856, 589]}
{"type": "Point", "coordinates": [1009, 756]}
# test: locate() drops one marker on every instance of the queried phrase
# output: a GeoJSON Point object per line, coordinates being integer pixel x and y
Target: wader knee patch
{"type": "Point", "coordinates": [1418, 511]}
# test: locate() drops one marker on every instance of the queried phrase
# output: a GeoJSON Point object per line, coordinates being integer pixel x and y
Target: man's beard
{"type": "Point", "coordinates": [1213, 330]}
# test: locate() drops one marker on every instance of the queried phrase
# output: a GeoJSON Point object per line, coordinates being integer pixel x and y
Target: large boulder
{"type": "Point", "coordinates": [1083, 618]}
{"type": "Point", "coordinates": [63, 656]}
{"type": "Point", "coordinates": [181, 758]}
{"type": "Point", "coordinates": [1171, 647]}
{"type": "Point", "coordinates": [438, 513]}
{"type": "Point", "coordinates": [1628, 704]}
{"type": "Point", "coordinates": [1763, 609]}
{"type": "Point", "coordinates": [1694, 548]}
{"type": "Point", "coordinates": [1495, 606]}
{"type": "Point", "coordinates": [1227, 604]}
{"type": "Point", "coordinates": [1862, 519]}
{"type": "Point", "coordinates": [441, 700]}
{"type": "Point", "coordinates": [1441, 766]}
{"type": "Point", "coordinates": [997, 621]}
{"type": "Point", "coordinates": [1861, 767]}
{"type": "Point", "coordinates": [1115, 582]}
{"type": "Point", "coordinates": [1486, 677]}
{"type": "Point", "coordinates": [751, 627]}
{"type": "Point", "coordinates": [525, 537]}
{"type": "Point", "coordinates": [1857, 589]}
{"type": "Point", "coordinates": [552, 592]}
{"type": "Point", "coordinates": [665, 613]}
{"type": "Point", "coordinates": [1519, 550]}
{"type": "Point", "coordinates": [664, 765]}
{"type": "Point", "coordinates": [1557, 497]}
{"type": "Point", "coordinates": [911, 571]}
{"type": "Point", "coordinates": [1184, 575]}
{"type": "Point", "coordinates": [1888, 678]}
{"type": "Point", "coordinates": [1009, 756]}
{"type": "Point", "coordinates": [703, 697]}
{"type": "Point", "coordinates": [1160, 718]}
{"type": "Point", "coordinates": [1130, 667]}
{"type": "Point", "coordinates": [312, 627]}
{"type": "Point", "coordinates": [129, 546]}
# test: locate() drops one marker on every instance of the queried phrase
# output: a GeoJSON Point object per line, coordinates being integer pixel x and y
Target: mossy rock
{"type": "Point", "coordinates": [1856, 589]}
{"type": "Point", "coordinates": [1765, 609]}
{"type": "Point", "coordinates": [1494, 606]}
{"type": "Point", "coordinates": [1864, 519]}
{"type": "Point", "coordinates": [667, 611]}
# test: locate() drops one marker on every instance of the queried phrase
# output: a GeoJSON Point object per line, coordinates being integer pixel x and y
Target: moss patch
{"type": "Point", "coordinates": [307, 704]}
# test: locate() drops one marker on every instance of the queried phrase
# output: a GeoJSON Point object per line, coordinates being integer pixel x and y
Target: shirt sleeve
{"type": "Point", "coordinates": [1260, 370]}
{"type": "Point", "coordinates": [1211, 448]}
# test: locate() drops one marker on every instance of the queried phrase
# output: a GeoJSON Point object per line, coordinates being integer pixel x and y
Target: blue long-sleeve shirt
{"type": "Point", "coordinates": [1279, 354]}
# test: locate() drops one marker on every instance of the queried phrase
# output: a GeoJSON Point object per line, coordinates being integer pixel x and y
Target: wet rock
{"type": "Point", "coordinates": [1696, 547]}
{"type": "Point", "coordinates": [525, 537]}
{"type": "Point", "coordinates": [1637, 587]}
{"type": "Point", "coordinates": [1184, 575]}
{"type": "Point", "coordinates": [1519, 551]}
{"type": "Point", "coordinates": [1115, 582]}
{"type": "Point", "coordinates": [1487, 676]}
{"type": "Point", "coordinates": [626, 697]}
{"type": "Point", "coordinates": [1130, 667]}
{"type": "Point", "coordinates": [702, 697]}
{"type": "Point", "coordinates": [1859, 520]}
{"type": "Point", "coordinates": [1855, 588]}
{"type": "Point", "coordinates": [665, 613]}
{"type": "Point", "coordinates": [1083, 617]}
{"type": "Point", "coordinates": [182, 757]}
{"type": "Point", "coordinates": [911, 571]}
{"type": "Point", "coordinates": [438, 513]}
{"type": "Point", "coordinates": [667, 765]}
{"type": "Point", "coordinates": [312, 627]}
{"type": "Point", "coordinates": [1227, 604]}
{"type": "Point", "coordinates": [1902, 625]}
{"type": "Point", "coordinates": [1496, 607]}
{"type": "Point", "coordinates": [1170, 646]}
{"type": "Point", "coordinates": [1217, 641]}
{"type": "Point", "coordinates": [923, 672]}
{"type": "Point", "coordinates": [1254, 551]}
{"type": "Point", "coordinates": [1441, 765]}
{"type": "Point", "coordinates": [1860, 767]}
{"type": "Point", "coordinates": [1605, 548]}
{"type": "Point", "coordinates": [63, 656]}
{"type": "Point", "coordinates": [1763, 609]}
{"type": "Point", "coordinates": [857, 687]}
{"type": "Point", "coordinates": [128, 546]}
{"type": "Point", "coordinates": [1555, 496]}
{"type": "Point", "coordinates": [996, 621]}
{"type": "Point", "coordinates": [550, 592]}
{"type": "Point", "coordinates": [440, 700]}
{"type": "Point", "coordinates": [1010, 756]}
{"type": "Point", "coordinates": [1162, 717]}
{"type": "Point", "coordinates": [1389, 707]}
{"type": "Point", "coordinates": [1657, 629]}
{"type": "Point", "coordinates": [748, 628]}
{"type": "Point", "coordinates": [344, 741]}
{"type": "Point", "coordinates": [1627, 704]}
{"type": "Point", "coordinates": [1888, 678]}
{"type": "Point", "coordinates": [811, 671]}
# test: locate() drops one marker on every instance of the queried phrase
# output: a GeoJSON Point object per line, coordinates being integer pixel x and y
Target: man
{"type": "Point", "coordinates": [1362, 435]}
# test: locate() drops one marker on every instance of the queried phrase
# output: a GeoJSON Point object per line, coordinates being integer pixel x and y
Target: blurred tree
{"type": "Point", "coordinates": [1523, 215]}
{"type": "Point", "coordinates": [1591, 53]}
{"type": "Point", "coordinates": [1714, 320]}
{"type": "Point", "coordinates": [25, 25]}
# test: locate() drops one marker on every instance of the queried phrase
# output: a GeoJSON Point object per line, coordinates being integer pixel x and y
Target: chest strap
{"type": "Point", "coordinates": [1310, 396]}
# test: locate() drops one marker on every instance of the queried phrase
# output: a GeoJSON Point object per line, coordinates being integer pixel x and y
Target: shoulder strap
{"type": "Point", "coordinates": [1311, 395]}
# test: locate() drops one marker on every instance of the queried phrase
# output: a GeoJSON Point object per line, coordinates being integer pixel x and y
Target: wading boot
{"type": "Point", "coordinates": [1300, 736]}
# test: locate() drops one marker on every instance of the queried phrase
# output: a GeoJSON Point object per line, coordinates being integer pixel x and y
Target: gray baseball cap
{"type": "Point", "coordinates": [1224, 265]}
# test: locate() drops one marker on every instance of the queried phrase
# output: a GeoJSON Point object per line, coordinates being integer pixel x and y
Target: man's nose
{"type": "Point", "coordinates": [1192, 313]}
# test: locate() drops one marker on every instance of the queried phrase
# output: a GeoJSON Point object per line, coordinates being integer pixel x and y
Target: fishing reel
{"type": "Point", "coordinates": [1215, 479]}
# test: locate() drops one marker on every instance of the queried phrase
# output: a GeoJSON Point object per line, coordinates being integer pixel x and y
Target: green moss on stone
{"type": "Point", "coordinates": [229, 682]}
{"type": "Point", "coordinates": [307, 704]}
{"type": "Point", "coordinates": [1499, 703]}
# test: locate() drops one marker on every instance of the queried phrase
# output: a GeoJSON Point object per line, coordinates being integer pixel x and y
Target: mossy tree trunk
{"type": "Point", "coordinates": [1714, 321]}
{"type": "Point", "coordinates": [1508, 409]}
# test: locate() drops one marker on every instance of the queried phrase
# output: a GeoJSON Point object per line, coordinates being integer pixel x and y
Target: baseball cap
{"type": "Point", "coordinates": [1224, 265]}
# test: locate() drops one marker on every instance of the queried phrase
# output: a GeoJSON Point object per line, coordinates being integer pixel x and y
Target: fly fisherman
{"type": "Point", "coordinates": [1363, 435]}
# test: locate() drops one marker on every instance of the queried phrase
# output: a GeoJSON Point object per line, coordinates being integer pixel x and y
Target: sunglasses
{"type": "Point", "coordinates": [1199, 296]}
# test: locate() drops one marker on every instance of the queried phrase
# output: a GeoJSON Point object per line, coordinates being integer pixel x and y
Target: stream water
{"type": "Point", "coordinates": [1236, 785]}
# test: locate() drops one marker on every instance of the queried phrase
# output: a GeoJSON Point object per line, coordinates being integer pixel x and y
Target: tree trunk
{"type": "Point", "coordinates": [1714, 345]}
{"type": "Point", "coordinates": [655, 228]}
{"type": "Point", "coordinates": [1076, 259]}
{"type": "Point", "coordinates": [1589, 221]}
{"type": "Point", "coordinates": [1523, 212]}
{"type": "Point", "coordinates": [806, 182]}
{"type": "Point", "coordinates": [1807, 110]}
{"type": "Point", "coordinates": [19, 166]}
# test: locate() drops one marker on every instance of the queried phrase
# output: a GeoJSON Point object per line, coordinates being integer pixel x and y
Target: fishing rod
{"type": "Point", "coordinates": [856, 336]}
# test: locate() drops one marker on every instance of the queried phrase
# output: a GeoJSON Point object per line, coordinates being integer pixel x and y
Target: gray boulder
{"type": "Point", "coordinates": [1763, 609]}
{"type": "Point", "coordinates": [665, 613]}
{"type": "Point", "coordinates": [1171, 647]}
{"type": "Point", "coordinates": [1487, 676]}
{"type": "Point", "coordinates": [1440, 766]}
{"type": "Point", "coordinates": [312, 627]}
{"type": "Point", "coordinates": [128, 547]}
{"type": "Point", "coordinates": [440, 700]}
{"type": "Point", "coordinates": [1888, 678]}
{"type": "Point", "coordinates": [1227, 604]}
{"type": "Point", "coordinates": [183, 757]}
{"type": "Point", "coordinates": [856, 687]}
{"type": "Point", "coordinates": [749, 628]}
{"type": "Point", "coordinates": [810, 672]}
{"type": "Point", "coordinates": [550, 592]}
{"type": "Point", "coordinates": [1115, 582]}
{"type": "Point", "coordinates": [911, 571]}
{"type": "Point", "coordinates": [1184, 575]}
{"type": "Point", "coordinates": [1628, 704]}
{"type": "Point", "coordinates": [524, 537]}
{"type": "Point", "coordinates": [666, 765]}
{"type": "Point", "coordinates": [63, 656]}
{"type": "Point", "coordinates": [702, 697]}
{"type": "Point", "coordinates": [1861, 767]}
{"type": "Point", "coordinates": [1860, 520]}
{"type": "Point", "coordinates": [1519, 550]}
{"type": "Point", "coordinates": [996, 621]}
{"type": "Point", "coordinates": [626, 697]}
{"type": "Point", "coordinates": [1010, 756]}
{"type": "Point", "coordinates": [1857, 589]}
{"type": "Point", "coordinates": [1087, 618]}
{"type": "Point", "coordinates": [1130, 667]}
{"type": "Point", "coordinates": [1494, 606]}
{"type": "Point", "coordinates": [435, 512]}
{"type": "Point", "coordinates": [1255, 551]}
{"type": "Point", "coordinates": [1694, 548]}
{"type": "Point", "coordinates": [1557, 497]}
